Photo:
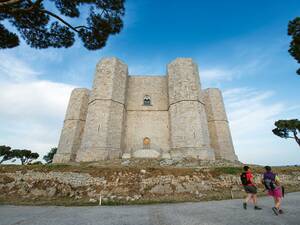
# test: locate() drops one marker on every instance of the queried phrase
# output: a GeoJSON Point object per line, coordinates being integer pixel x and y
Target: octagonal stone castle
{"type": "Point", "coordinates": [145, 117]}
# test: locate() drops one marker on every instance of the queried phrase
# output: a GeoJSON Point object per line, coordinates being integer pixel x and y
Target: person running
{"type": "Point", "coordinates": [272, 185]}
{"type": "Point", "coordinates": [250, 188]}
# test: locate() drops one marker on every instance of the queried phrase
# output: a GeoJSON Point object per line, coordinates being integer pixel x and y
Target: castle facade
{"type": "Point", "coordinates": [145, 117]}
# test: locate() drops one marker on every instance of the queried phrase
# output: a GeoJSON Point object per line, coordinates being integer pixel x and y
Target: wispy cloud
{"type": "Point", "coordinates": [32, 110]}
{"type": "Point", "coordinates": [12, 68]}
{"type": "Point", "coordinates": [218, 73]}
{"type": "Point", "coordinates": [251, 107]}
{"type": "Point", "coordinates": [252, 114]}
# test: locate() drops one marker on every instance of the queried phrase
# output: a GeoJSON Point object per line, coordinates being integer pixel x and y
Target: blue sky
{"type": "Point", "coordinates": [240, 47]}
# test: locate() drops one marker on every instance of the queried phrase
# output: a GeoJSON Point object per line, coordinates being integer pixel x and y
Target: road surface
{"type": "Point", "coordinates": [203, 213]}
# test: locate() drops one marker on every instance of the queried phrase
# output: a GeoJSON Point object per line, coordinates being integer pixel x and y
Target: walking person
{"type": "Point", "coordinates": [250, 188]}
{"type": "Point", "coordinates": [272, 185]}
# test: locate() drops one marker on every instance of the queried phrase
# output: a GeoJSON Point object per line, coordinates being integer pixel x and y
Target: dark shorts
{"type": "Point", "coordinates": [250, 189]}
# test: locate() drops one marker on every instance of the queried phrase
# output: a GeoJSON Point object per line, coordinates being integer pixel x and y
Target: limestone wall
{"type": "Point", "coordinates": [219, 131]}
{"type": "Point", "coordinates": [112, 119]}
{"type": "Point", "coordinates": [188, 139]}
{"type": "Point", "coordinates": [183, 81]}
{"type": "Point", "coordinates": [140, 86]}
{"type": "Point", "coordinates": [74, 123]}
{"type": "Point", "coordinates": [128, 184]}
{"type": "Point", "coordinates": [102, 138]}
{"type": "Point", "coordinates": [116, 130]}
{"type": "Point", "coordinates": [188, 123]}
{"type": "Point", "coordinates": [151, 124]}
{"type": "Point", "coordinates": [147, 121]}
{"type": "Point", "coordinates": [110, 81]}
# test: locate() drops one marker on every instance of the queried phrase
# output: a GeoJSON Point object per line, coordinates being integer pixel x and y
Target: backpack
{"type": "Point", "coordinates": [269, 183]}
{"type": "Point", "coordinates": [244, 179]}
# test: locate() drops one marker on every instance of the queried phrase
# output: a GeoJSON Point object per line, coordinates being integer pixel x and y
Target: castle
{"type": "Point", "coordinates": [161, 117]}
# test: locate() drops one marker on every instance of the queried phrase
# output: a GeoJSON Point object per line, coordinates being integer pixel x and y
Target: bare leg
{"type": "Point", "coordinates": [249, 196]}
{"type": "Point", "coordinates": [277, 202]}
{"type": "Point", "coordinates": [246, 200]}
{"type": "Point", "coordinates": [254, 197]}
{"type": "Point", "coordinates": [274, 201]}
{"type": "Point", "coordinates": [277, 209]}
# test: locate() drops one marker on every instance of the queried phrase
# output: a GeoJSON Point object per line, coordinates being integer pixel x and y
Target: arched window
{"type": "Point", "coordinates": [147, 100]}
{"type": "Point", "coordinates": [146, 143]}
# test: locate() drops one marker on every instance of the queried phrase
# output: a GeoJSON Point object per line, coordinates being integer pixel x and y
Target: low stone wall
{"type": "Point", "coordinates": [38, 185]}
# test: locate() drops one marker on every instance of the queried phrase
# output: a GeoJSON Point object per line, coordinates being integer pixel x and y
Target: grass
{"type": "Point", "coordinates": [226, 170]}
{"type": "Point", "coordinates": [106, 170]}
{"type": "Point", "coordinates": [95, 169]}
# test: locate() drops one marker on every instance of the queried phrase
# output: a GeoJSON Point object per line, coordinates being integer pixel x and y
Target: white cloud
{"type": "Point", "coordinates": [33, 100]}
{"type": "Point", "coordinates": [213, 75]}
{"type": "Point", "coordinates": [252, 115]}
{"type": "Point", "coordinates": [249, 110]}
{"type": "Point", "coordinates": [32, 110]}
{"type": "Point", "coordinates": [216, 74]}
{"type": "Point", "coordinates": [14, 69]}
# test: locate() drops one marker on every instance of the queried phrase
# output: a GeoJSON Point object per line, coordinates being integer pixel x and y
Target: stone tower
{"type": "Point", "coordinates": [102, 138]}
{"type": "Point", "coordinates": [145, 117]}
{"type": "Point", "coordinates": [74, 123]}
{"type": "Point", "coordinates": [189, 136]}
{"type": "Point", "coordinates": [219, 132]}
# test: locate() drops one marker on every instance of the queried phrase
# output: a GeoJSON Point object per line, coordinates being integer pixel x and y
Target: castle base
{"type": "Point", "coordinates": [196, 153]}
{"type": "Point", "coordinates": [98, 155]}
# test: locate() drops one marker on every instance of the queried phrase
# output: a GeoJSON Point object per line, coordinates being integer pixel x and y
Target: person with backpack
{"type": "Point", "coordinates": [250, 188]}
{"type": "Point", "coordinates": [272, 185]}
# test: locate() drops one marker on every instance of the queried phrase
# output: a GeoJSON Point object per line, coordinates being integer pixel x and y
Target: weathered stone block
{"type": "Point", "coordinates": [146, 153]}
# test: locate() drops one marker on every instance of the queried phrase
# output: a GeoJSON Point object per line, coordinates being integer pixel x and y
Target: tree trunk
{"type": "Point", "coordinates": [296, 138]}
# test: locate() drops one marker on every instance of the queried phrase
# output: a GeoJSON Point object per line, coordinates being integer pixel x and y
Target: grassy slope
{"type": "Point", "coordinates": [106, 169]}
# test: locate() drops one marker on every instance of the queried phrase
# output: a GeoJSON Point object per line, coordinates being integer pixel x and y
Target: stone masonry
{"type": "Point", "coordinates": [129, 184]}
{"type": "Point", "coordinates": [126, 116]}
